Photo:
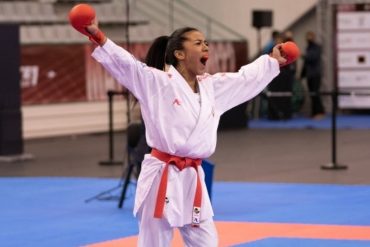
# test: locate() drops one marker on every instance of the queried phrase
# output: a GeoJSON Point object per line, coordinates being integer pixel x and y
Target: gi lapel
{"type": "Point", "coordinates": [205, 116]}
{"type": "Point", "coordinates": [187, 93]}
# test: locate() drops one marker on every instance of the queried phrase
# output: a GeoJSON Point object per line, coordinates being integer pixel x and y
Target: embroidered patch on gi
{"type": "Point", "coordinates": [202, 77]}
{"type": "Point", "coordinates": [176, 101]}
{"type": "Point", "coordinates": [196, 216]}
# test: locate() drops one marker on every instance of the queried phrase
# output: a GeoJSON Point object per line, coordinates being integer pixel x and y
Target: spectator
{"type": "Point", "coordinates": [280, 107]}
{"type": "Point", "coordinates": [275, 39]}
{"type": "Point", "coordinates": [312, 71]}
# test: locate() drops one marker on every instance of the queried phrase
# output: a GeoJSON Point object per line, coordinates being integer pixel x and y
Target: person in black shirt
{"type": "Point", "coordinates": [312, 71]}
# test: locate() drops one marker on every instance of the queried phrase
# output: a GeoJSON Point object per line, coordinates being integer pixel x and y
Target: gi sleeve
{"type": "Point", "coordinates": [142, 81]}
{"type": "Point", "coordinates": [232, 89]}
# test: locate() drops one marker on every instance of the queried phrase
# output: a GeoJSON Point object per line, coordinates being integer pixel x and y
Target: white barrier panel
{"type": "Point", "coordinates": [52, 120]}
{"type": "Point", "coordinates": [353, 54]}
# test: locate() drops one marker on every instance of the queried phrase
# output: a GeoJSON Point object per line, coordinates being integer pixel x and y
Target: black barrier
{"type": "Point", "coordinates": [106, 195]}
{"type": "Point", "coordinates": [111, 94]}
{"type": "Point", "coordinates": [137, 147]}
{"type": "Point", "coordinates": [333, 165]}
{"type": "Point", "coordinates": [11, 142]}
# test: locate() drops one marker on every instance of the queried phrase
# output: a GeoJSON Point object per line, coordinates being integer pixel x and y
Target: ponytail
{"type": "Point", "coordinates": [156, 55]}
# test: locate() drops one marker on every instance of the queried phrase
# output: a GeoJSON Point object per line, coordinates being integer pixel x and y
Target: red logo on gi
{"type": "Point", "coordinates": [177, 102]}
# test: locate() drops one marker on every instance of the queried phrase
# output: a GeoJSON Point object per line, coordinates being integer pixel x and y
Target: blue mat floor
{"type": "Point", "coordinates": [53, 212]}
{"type": "Point", "coordinates": [285, 242]}
{"type": "Point", "coordinates": [343, 122]}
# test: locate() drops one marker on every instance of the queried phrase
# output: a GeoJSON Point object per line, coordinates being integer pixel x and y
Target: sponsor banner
{"type": "Point", "coordinates": [353, 21]}
{"type": "Point", "coordinates": [354, 60]}
{"type": "Point", "coordinates": [349, 40]}
{"type": "Point", "coordinates": [52, 74]}
{"type": "Point", "coordinates": [67, 73]}
{"type": "Point", "coordinates": [354, 78]}
{"type": "Point", "coordinates": [357, 102]}
{"type": "Point", "coordinates": [353, 54]}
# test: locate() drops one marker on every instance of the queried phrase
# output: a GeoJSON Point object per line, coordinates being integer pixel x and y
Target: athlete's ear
{"type": "Point", "coordinates": [179, 54]}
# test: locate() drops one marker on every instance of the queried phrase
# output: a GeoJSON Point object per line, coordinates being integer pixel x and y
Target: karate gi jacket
{"type": "Point", "coordinates": [177, 123]}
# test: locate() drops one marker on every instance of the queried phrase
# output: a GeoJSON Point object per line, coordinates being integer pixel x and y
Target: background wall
{"type": "Point", "coordinates": [238, 15]}
{"type": "Point", "coordinates": [71, 104]}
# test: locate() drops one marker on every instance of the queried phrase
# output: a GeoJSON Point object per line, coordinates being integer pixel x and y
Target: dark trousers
{"type": "Point", "coordinates": [314, 84]}
{"type": "Point", "coordinates": [280, 108]}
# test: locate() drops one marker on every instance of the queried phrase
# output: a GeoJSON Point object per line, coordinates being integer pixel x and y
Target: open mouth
{"type": "Point", "coordinates": [204, 59]}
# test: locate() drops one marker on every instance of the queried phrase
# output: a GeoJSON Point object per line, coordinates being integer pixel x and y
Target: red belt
{"type": "Point", "coordinates": [180, 163]}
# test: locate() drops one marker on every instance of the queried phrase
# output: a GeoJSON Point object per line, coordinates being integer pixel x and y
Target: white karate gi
{"type": "Point", "coordinates": [176, 123]}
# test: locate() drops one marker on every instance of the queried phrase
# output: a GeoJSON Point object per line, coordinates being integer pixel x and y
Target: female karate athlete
{"type": "Point", "coordinates": [181, 108]}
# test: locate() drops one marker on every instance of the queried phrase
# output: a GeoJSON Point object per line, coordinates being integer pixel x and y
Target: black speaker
{"type": "Point", "coordinates": [262, 18]}
{"type": "Point", "coordinates": [11, 142]}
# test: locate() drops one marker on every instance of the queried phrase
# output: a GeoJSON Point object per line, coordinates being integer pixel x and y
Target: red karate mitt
{"type": "Point", "coordinates": [81, 16]}
{"type": "Point", "coordinates": [290, 51]}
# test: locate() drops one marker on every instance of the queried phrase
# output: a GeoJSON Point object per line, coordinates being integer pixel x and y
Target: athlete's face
{"type": "Point", "coordinates": [195, 53]}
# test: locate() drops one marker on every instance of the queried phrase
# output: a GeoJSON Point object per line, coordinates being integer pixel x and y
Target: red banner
{"type": "Point", "coordinates": [67, 73]}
